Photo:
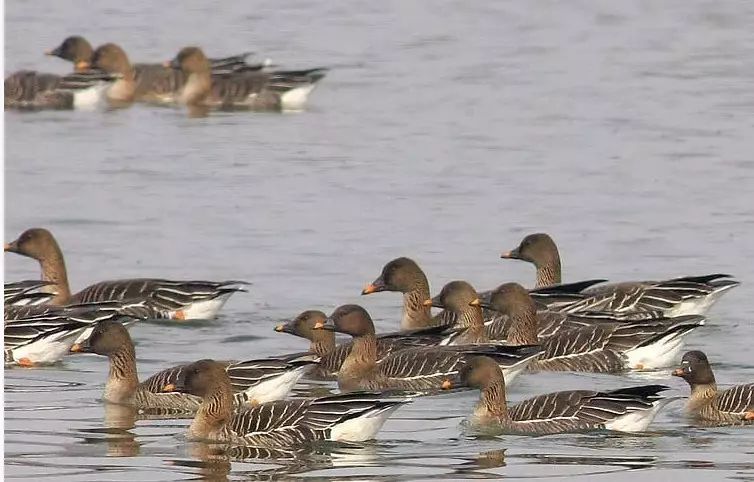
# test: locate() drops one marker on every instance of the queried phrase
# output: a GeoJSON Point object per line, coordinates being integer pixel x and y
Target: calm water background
{"type": "Point", "coordinates": [445, 132]}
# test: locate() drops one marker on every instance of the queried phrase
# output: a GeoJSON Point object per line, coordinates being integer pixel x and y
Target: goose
{"type": "Point", "coordinates": [599, 344]}
{"type": "Point", "coordinates": [333, 356]}
{"type": "Point", "coordinates": [404, 275]}
{"type": "Point", "coordinates": [412, 368]}
{"type": "Point", "coordinates": [734, 405]}
{"type": "Point", "coordinates": [255, 89]}
{"type": "Point", "coordinates": [31, 90]}
{"type": "Point", "coordinates": [41, 335]}
{"type": "Point", "coordinates": [180, 300]}
{"type": "Point", "coordinates": [23, 293]}
{"type": "Point", "coordinates": [253, 381]}
{"type": "Point", "coordinates": [625, 410]}
{"type": "Point", "coordinates": [689, 295]}
{"type": "Point", "coordinates": [354, 417]}
{"type": "Point", "coordinates": [151, 81]}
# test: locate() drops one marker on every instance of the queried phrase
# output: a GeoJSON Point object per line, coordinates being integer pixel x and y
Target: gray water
{"type": "Point", "coordinates": [446, 131]}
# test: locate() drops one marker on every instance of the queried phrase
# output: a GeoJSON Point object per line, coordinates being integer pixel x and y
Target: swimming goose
{"type": "Point", "coordinates": [412, 368]}
{"type": "Point", "coordinates": [405, 276]}
{"type": "Point", "coordinates": [256, 90]}
{"type": "Point", "coordinates": [75, 49]}
{"type": "Point", "coordinates": [333, 356]}
{"type": "Point", "coordinates": [37, 335]}
{"type": "Point", "coordinates": [456, 297]}
{"type": "Point", "coordinates": [23, 293]}
{"type": "Point", "coordinates": [734, 405]}
{"type": "Point", "coordinates": [30, 90]}
{"type": "Point", "coordinates": [182, 300]}
{"type": "Point", "coordinates": [690, 295]}
{"type": "Point", "coordinates": [254, 381]}
{"type": "Point", "coordinates": [354, 417]}
{"type": "Point", "coordinates": [626, 409]}
{"type": "Point", "coordinates": [599, 344]}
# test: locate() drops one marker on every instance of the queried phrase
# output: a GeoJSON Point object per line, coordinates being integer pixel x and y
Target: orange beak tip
{"type": "Point", "coordinates": [319, 325]}
{"type": "Point", "coordinates": [447, 385]}
{"type": "Point", "coordinates": [82, 64]}
{"type": "Point", "coordinates": [677, 372]}
{"type": "Point", "coordinates": [76, 348]}
{"type": "Point", "coordinates": [166, 64]}
{"type": "Point", "coordinates": [749, 416]}
{"type": "Point", "coordinates": [505, 254]}
{"type": "Point", "coordinates": [427, 302]}
{"type": "Point", "coordinates": [368, 289]}
{"type": "Point", "coordinates": [7, 247]}
{"type": "Point", "coordinates": [170, 387]}
{"type": "Point", "coordinates": [279, 328]}
{"type": "Point", "coordinates": [475, 302]}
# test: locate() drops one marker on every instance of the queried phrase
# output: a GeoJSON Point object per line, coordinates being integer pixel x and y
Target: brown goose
{"type": "Point", "coordinates": [626, 409]}
{"type": "Point", "coordinates": [255, 90]}
{"type": "Point", "coordinates": [734, 405]}
{"type": "Point", "coordinates": [354, 417]}
{"type": "Point", "coordinates": [403, 275]}
{"type": "Point", "coordinates": [30, 90]}
{"type": "Point", "coordinates": [154, 81]}
{"type": "Point", "coordinates": [456, 298]}
{"type": "Point", "coordinates": [42, 334]}
{"type": "Point", "coordinates": [112, 59]}
{"type": "Point", "coordinates": [333, 356]}
{"type": "Point", "coordinates": [691, 295]}
{"type": "Point", "coordinates": [169, 299]}
{"type": "Point", "coordinates": [413, 368]}
{"type": "Point", "coordinates": [598, 344]}
{"type": "Point", "coordinates": [254, 381]}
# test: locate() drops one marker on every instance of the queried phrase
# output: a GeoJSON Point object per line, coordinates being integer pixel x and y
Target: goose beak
{"type": "Point", "coordinates": [280, 328]}
{"type": "Point", "coordinates": [447, 384]}
{"type": "Point", "coordinates": [8, 247]}
{"type": "Point", "coordinates": [679, 372]}
{"type": "Point", "coordinates": [77, 348]}
{"type": "Point", "coordinates": [374, 287]}
{"type": "Point", "coordinates": [512, 254]}
{"type": "Point", "coordinates": [475, 302]}
{"type": "Point", "coordinates": [427, 302]}
{"type": "Point", "coordinates": [82, 65]}
{"type": "Point", "coordinates": [170, 387]}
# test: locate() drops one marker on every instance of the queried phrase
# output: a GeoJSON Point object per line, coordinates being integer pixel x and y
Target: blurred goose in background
{"type": "Point", "coordinates": [152, 81]}
{"type": "Point", "coordinates": [39, 335]}
{"type": "Point", "coordinates": [253, 381]}
{"type": "Point", "coordinates": [333, 356]}
{"type": "Point", "coordinates": [674, 297]}
{"type": "Point", "coordinates": [597, 344]}
{"type": "Point", "coordinates": [734, 405]}
{"type": "Point", "coordinates": [181, 300]}
{"type": "Point", "coordinates": [412, 368]}
{"type": "Point", "coordinates": [31, 90]}
{"type": "Point", "coordinates": [626, 409]}
{"type": "Point", "coordinates": [255, 90]}
{"type": "Point", "coordinates": [354, 417]}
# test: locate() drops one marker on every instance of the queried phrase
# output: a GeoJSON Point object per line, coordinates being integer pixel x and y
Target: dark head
{"type": "Point", "coordinates": [506, 299]}
{"type": "Point", "coordinates": [112, 59]}
{"type": "Point", "coordinates": [695, 369]}
{"type": "Point", "coordinates": [400, 274]}
{"type": "Point", "coordinates": [351, 320]}
{"type": "Point", "coordinates": [455, 296]}
{"type": "Point", "coordinates": [107, 339]}
{"type": "Point", "coordinates": [200, 378]}
{"type": "Point", "coordinates": [189, 60]}
{"type": "Point", "coordinates": [303, 326]}
{"type": "Point", "coordinates": [36, 243]}
{"type": "Point", "coordinates": [75, 49]}
{"type": "Point", "coordinates": [478, 372]}
{"type": "Point", "coordinates": [535, 248]}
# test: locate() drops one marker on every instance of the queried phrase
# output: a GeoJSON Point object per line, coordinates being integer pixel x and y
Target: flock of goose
{"type": "Point", "coordinates": [479, 340]}
{"type": "Point", "coordinates": [105, 76]}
